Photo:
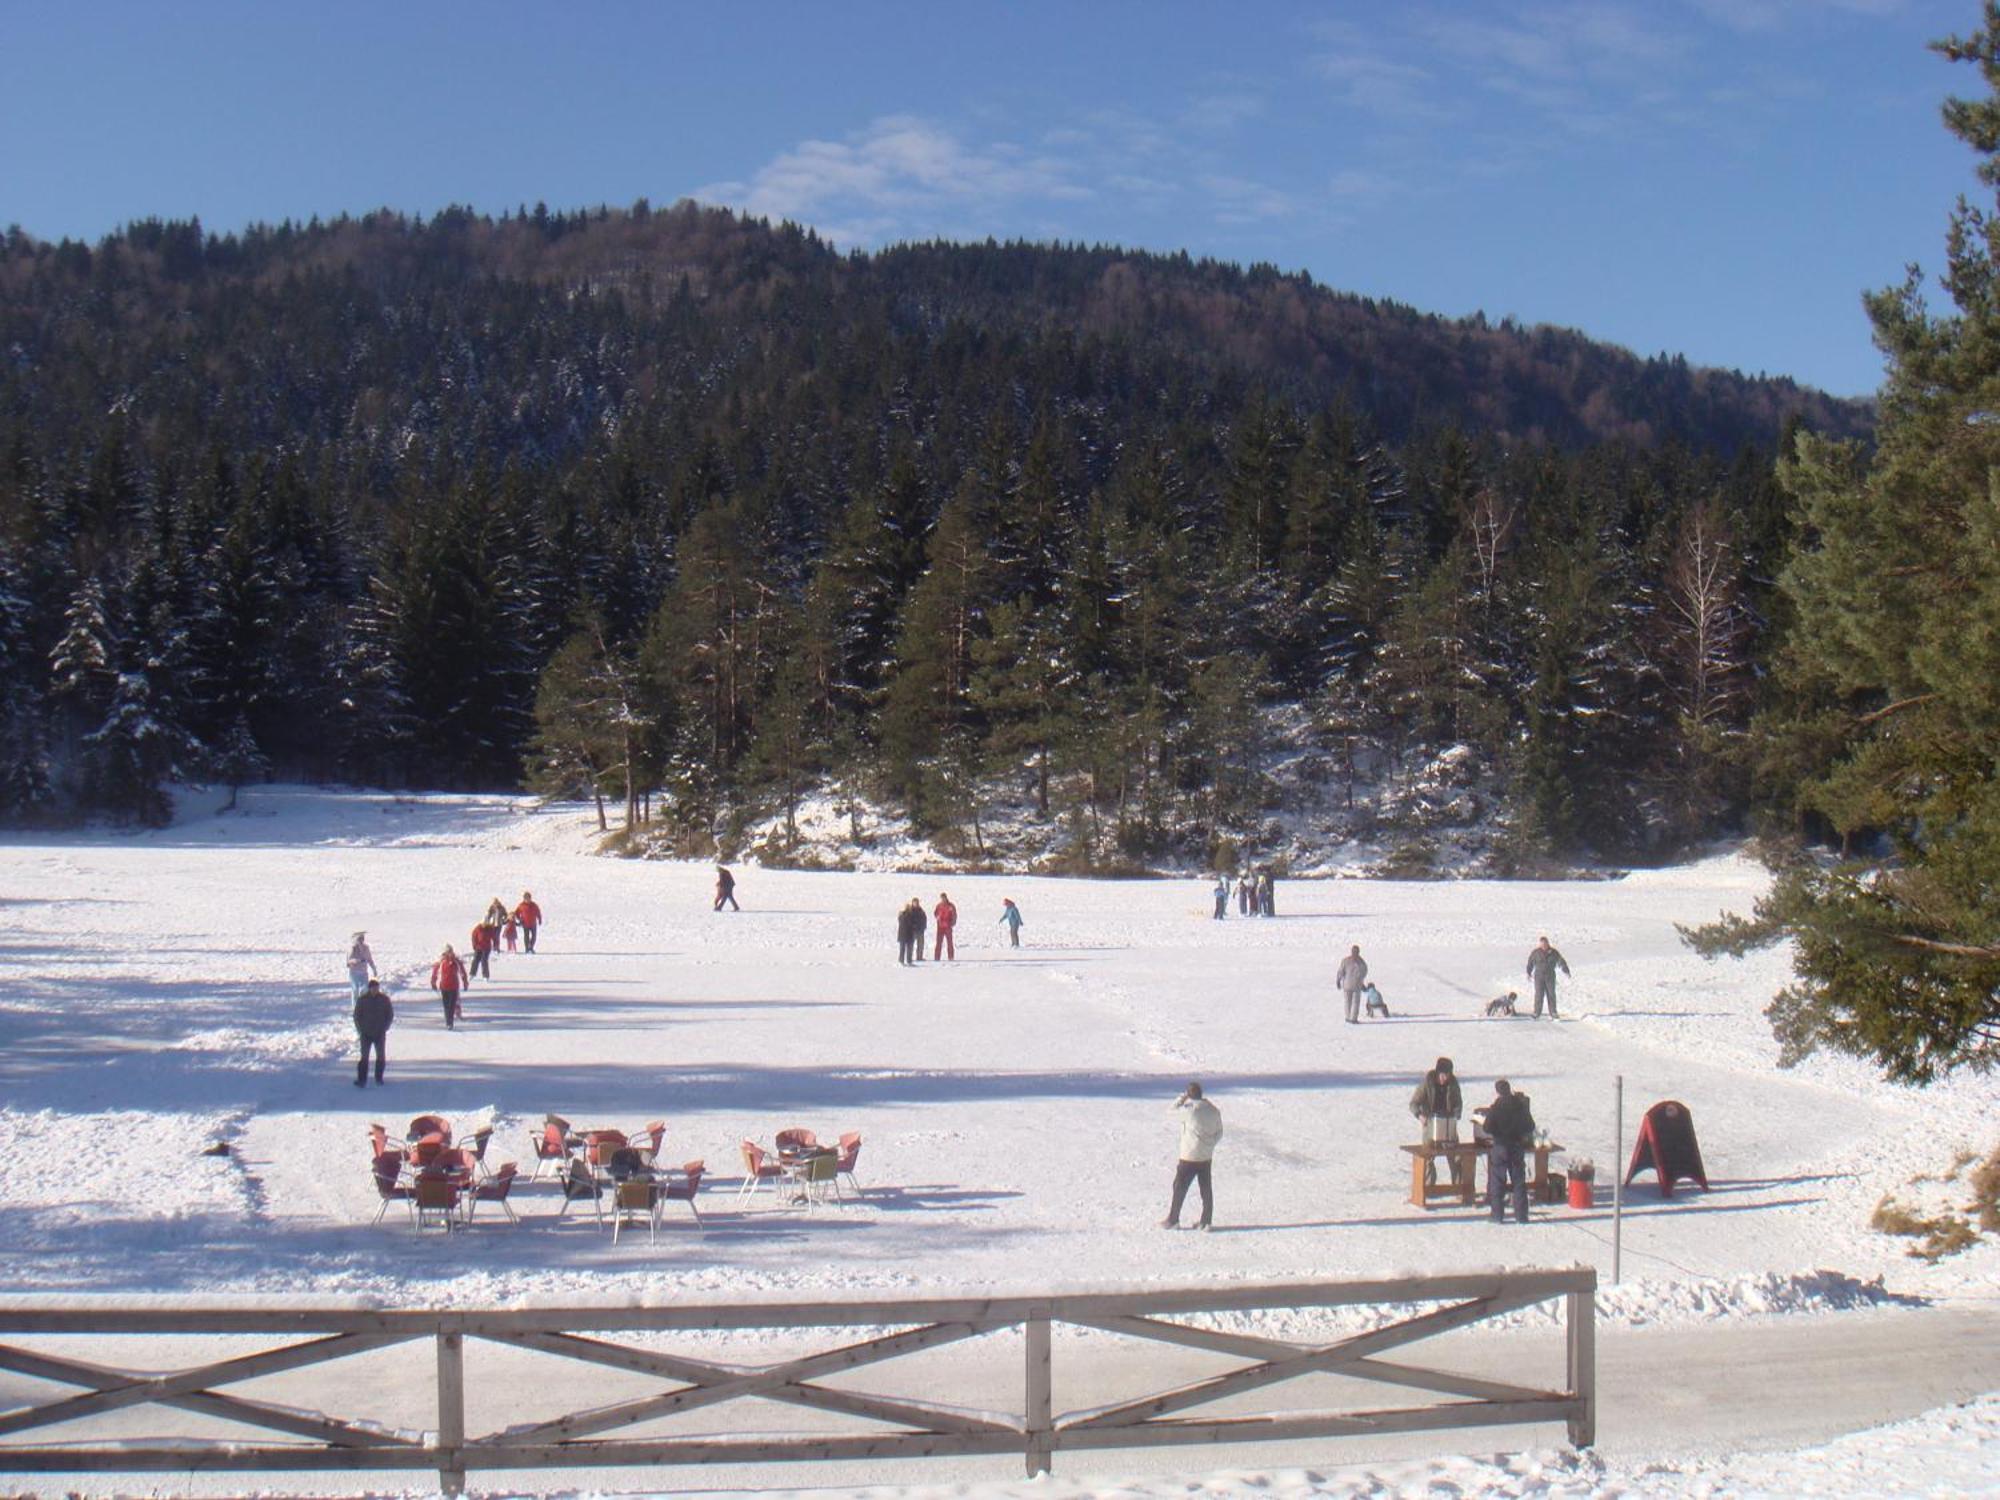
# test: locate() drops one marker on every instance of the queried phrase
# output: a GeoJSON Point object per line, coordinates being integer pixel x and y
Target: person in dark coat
{"type": "Point", "coordinates": [1438, 1103]}
{"type": "Point", "coordinates": [1267, 894]}
{"type": "Point", "coordinates": [1510, 1126]}
{"type": "Point", "coordinates": [907, 931]}
{"type": "Point", "coordinates": [373, 1016]}
{"type": "Point", "coordinates": [725, 889]}
{"type": "Point", "coordinates": [923, 926]}
{"type": "Point", "coordinates": [1221, 897]}
{"type": "Point", "coordinates": [1543, 961]}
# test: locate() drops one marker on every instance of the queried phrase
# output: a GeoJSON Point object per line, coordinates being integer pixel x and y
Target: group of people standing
{"type": "Point", "coordinates": [912, 922]}
{"type": "Point", "coordinates": [1256, 894]}
{"type": "Point", "coordinates": [451, 976]}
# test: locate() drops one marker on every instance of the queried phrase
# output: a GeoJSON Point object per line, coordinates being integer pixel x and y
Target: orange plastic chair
{"type": "Point", "coordinates": [758, 1169]}
{"type": "Point", "coordinates": [850, 1153]}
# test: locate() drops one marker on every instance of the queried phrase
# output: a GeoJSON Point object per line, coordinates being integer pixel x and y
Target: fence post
{"type": "Point", "coordinates": [1582, 1339]}
{"type": "Point", "coordinates": [451, 1410]}
{"type": "Point", "coordinates": [1041, 1405]}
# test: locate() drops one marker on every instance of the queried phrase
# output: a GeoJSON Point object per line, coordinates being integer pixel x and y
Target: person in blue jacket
{"type": "Point", "coordinates": [1011, 915]}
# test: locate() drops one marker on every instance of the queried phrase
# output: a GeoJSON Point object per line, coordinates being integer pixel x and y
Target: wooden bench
{"type": "Point", "coordinates": [1429, 1194]}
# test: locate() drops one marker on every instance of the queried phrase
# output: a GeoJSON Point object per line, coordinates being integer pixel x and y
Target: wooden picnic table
{"type": "Point", "coordinates": [1466, 1156]}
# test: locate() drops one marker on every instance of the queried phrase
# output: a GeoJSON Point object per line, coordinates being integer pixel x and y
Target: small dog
{"type": "Point", "coordinates": [1502, 1005]}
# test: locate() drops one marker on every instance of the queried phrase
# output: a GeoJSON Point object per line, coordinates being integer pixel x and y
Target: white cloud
{"type": "Point", "coordinates": [900, 175]}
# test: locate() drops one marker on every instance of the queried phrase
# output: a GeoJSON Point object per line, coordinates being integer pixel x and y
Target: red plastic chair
{"type": "Point", "coordinates": [552, 1145]}
{"type": "Point", "coordinates": [795, 1142]}
{"type": "Point", "coordinates": [425, 1153]}
{"type": "Point", "coordinates": [598, 1146]}
{"type": "Point", "coordinates": [424, 1125]}
{"type": "Point", "coordinates": [850, 1153]}
{"type": "Point", "coordinates": [388, 1170]}
{"type": "Point", "coordinates": [646, 1139]}
{"type": "Point", "coordinates": [494, 1190]}
{"type": "Point", "coordinates": [758, 1169]}
{"type": "Point", "coordinates": [378, 1139]}
{"type": "Point", "coordinates": [435, 1195]}
{"type": "Point", "coordinates": [684, 1191]}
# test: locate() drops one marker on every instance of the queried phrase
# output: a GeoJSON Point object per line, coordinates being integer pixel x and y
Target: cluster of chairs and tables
{"type": "Point", "coordinates": [800, 1170]}
{"type": "Point", "coordinates": [442, 1182]}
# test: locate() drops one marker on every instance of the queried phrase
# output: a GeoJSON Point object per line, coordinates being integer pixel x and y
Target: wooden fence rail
{"type": "Point", "coordinates": [1415, 1309]}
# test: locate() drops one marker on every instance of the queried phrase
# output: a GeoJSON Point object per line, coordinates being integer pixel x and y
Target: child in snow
{"type": "Point", "coordinates": [512, 931]}
{"type": "Point", "coordinates": [1377, 1006]}
{"type": "Point", "coordinates": [1011, 915]}
{"type": "Point", "coordinates": [1502, 1005]}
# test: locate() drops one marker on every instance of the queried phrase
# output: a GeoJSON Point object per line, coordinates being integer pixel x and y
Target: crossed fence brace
{"type": "Point", "coordinates": [917, 1428]}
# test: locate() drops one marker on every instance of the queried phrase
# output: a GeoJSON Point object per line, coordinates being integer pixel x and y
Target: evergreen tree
{"type": "Point", "coordinates": [1894, 648]}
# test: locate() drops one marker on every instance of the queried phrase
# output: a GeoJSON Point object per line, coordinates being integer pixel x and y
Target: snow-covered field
{"type": "Point", "coordinates": [162, 991]}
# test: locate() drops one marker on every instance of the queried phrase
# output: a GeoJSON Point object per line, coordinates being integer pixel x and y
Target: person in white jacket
{"type": "Point", "coordinates": [1201, 1128]}
{"type": "Point", "coordinates": [360, 965]}
{"type": "Point", "coordinates": [1350, 977]}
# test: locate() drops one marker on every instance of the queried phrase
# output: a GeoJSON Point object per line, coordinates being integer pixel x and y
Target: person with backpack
{"type": "Point", "coordinates": [529, 916]}
{"type": "Point", "coordinates": [360, 965]}
{"type": "Point", "coordinates": [482, 951]}
{"type": "Point", "coordinates": [373, 1016]}
{"type": "Point", "coordinates": [947, 919]}
{"type": "Point", "coordinates": [1010, 916]}
{"type": "Point", "coordinates": [448, 978]}
{"type": "Point", "coordinates": [1350, 977]}
{"type": "Point", "coordinates": [1510, 1127]}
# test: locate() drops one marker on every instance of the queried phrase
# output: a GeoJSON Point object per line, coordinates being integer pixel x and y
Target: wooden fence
{"type": "Point", "coordinates": [1415, 1309]}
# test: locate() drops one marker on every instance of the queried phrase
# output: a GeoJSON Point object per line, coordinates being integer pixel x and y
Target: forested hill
{"type": "Point", "coordinates": [347, 499]}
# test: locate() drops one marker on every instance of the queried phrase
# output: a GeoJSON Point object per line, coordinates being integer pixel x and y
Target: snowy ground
{"type": "Point", "coordinates": [165, 990]}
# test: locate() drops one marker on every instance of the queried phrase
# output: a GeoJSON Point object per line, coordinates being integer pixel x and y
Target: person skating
{"type": "Point", "coordinates": [1201, 1127]}
{"type": "Point", "coordinates": [908, 930]}
{"type": "Point", "coordinates": [448, 978]}
{"type": "Point", "coordinates": [1543, 961]}
{"type": "Point", "coordinates": [1221, 897]}
{"type": "Point", "coordinates": [725, 888]}
{"type": "Point", "coordinates": [360, 965]}
{"type": "Point", "coordinates": [1010, 914]}
{"type": "Point", "coordinates": [947, 919]}
{"type": "Point", "coordinates": [373, 1016]}
{"type": "Point", "coordinates": [1510, 1127]}
{"type": "Point", "coordinates": [1350, 977]}
{"type": "Point", "coordinates": [482, 952]}
{"type": "Point", "coordinates": [1438, 1103]}
{"type": "Point", "coordinates": [529, 916]}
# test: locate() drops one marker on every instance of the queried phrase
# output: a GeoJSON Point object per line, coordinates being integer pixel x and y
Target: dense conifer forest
{"type": "Point", "coordinates": [705, 518]}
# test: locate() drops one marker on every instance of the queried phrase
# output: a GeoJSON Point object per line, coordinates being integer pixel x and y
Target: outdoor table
{"type": "Point", "coordinates": [1462, 1154]}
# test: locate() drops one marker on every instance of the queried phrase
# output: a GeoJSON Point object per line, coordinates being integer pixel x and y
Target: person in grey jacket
{"type": "Point", "coordinates": [373, 1016]}
{"type": "Point", "coordinates": [1350, 977]}
{"type": "Point", "coordinates": [1201, 1128]}
{"type": "Point", "coordinates": [1543, 961]}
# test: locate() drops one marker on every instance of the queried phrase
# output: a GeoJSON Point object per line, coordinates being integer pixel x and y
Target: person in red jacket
{"type": "Point", "coordinates": [947, 918]}
{"type": "Point", "coordinates": [529, 916]}
{"type": "Point", "coordinates": [448, 977]}
{"type": "Point", "coordinates": [482, 952]}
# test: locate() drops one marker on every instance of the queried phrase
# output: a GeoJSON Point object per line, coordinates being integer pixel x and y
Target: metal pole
{"type": "Point", "coordinates": [1618, 1183]}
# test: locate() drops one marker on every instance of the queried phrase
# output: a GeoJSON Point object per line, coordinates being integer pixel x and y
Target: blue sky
{"type": "Point", "coordinates": [1717, 178]}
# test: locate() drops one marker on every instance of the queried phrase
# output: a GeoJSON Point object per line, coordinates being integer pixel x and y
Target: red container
{"type": "Point", "coordinates": [1580, 1193]}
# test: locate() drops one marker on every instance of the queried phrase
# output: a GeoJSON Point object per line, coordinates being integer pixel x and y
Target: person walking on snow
{"type": "Point", "coordinates": [725, 888]}
{"type": "Point", "coordinates": [1438, 1104]}
{"type": "Point", "coordinates": [1350, 977]}
{"type": "Point", "coordinates": [1510, 1125]}
{"type": "Point", "coordinates": [448, 977]}
{"type": "Point", "coordinates": [1221, 897]}
{"type": "Point", "coordinates": [482, 952]}
{"type": "Point", "coordinates": [1201, 1128]}
{"type": "Point", "coordinates": [496, 913]}
{"type": "Point", "coordinates": [373, 1016]}
{"type": "Point", "coordinates": [360, 965]}
{"type": "Point", "coordinates": [529, 916]}
{"type": "Point", "coordinates": [947, 918]}
{"type": "Point", "coordinates": [908, 931]}
{"type": "Point", "coordinates": [1011, 915]}
{"type": "Point", "coordinates": [512, 931]}
{"type": "Point", "coordinates": [1267, 894]}
{"type": "Point", "coordinates": [1543, 961]}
